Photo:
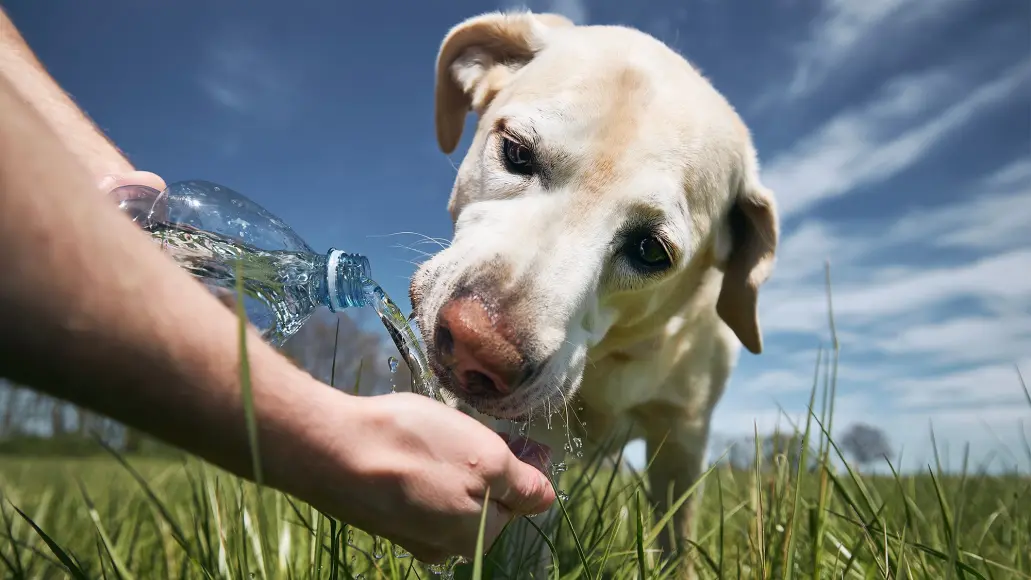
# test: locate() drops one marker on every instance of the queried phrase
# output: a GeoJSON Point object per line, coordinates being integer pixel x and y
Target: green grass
{"type": "Point", "coordinates": [188, 520]}
{"type": "Point", "coordinates": [110, 517]}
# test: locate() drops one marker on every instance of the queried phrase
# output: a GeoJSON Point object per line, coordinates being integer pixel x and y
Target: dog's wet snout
{"type": "Point", "coordinates": [469, 342]}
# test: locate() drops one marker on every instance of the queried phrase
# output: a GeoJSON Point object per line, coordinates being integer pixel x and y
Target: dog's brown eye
{"type": "Point", "coordinates": [652, 251]}
{"type": "Point", "coordinates": [518, 157]}
{"type": "Point", "coordinates": [647, 253]}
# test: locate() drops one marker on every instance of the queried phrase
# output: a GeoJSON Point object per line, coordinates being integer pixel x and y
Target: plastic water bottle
{"type": "Point", "coordinates": [217, 234]}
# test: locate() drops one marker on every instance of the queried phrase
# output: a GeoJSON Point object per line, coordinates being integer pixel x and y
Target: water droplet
{"type": "Point", "coordinates": [578, 445]}
{"type": "Point", "coordinates": [557, 468]}
{"type": "Point", "coordinates": [400, 552]}
{"type": "Point", "coordinates": [562, 495]}
{"type": "Point", "coordinates": [350, 538]}
{"type": "Point", "coordinates": [392, 363]}
{"type": "Point", "coordinates": [446, 571]}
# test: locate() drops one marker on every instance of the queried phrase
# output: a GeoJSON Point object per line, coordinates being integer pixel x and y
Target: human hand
{"type": "Point", "coordinates": [417, 472]}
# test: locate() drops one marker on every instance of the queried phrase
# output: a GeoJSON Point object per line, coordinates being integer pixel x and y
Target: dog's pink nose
{"type": "Point", "coordinates": [469, 342]}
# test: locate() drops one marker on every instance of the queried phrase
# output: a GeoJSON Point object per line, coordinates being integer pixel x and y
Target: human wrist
{"type": "Point", "coordinates": [309, 430]}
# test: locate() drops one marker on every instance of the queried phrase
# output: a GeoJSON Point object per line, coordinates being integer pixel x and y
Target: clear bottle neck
{"type": "Point", "coordinates": [347, 280]}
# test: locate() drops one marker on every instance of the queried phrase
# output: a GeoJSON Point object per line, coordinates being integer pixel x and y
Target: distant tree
{"type": "Point", "coordinates": [10, 396]}
{"type": "Point", "coordinates": [865, 443]}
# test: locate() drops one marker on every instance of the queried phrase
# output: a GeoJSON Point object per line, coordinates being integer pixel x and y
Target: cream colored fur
{"type": "Point", "coordinates": [630, 130]}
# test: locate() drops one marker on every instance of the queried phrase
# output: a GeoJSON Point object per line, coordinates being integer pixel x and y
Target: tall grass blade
{"type": "Point", "coordinates": [73, 568]}
{"type": "Point", "coordinates": [478, 560]}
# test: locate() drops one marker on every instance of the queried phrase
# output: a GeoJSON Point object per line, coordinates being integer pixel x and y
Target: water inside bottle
{"type": "Point", "coordinates": [276, 283]}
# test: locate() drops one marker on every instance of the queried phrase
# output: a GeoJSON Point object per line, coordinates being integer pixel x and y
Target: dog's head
{"type": "Point", "coordinates": [605, 177]}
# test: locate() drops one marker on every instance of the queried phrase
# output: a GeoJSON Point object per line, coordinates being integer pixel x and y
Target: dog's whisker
{"type": "Point", "coordinates": [443, 243]}
{"type": "Point", "coordinates": [452, 163]}
{"type": "Point", "coordinates": [416, 250]}
{"type": "Point", "coordinates": [411, 249]}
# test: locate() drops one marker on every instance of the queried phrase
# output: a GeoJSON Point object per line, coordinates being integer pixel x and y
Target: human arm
{"type": "Point", "coordinates": [96, 315]}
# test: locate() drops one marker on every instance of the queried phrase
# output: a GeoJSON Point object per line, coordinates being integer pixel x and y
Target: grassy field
{"type": "Point", "coordinates": [111, 517]}
{"type": "Point", "coordinates": [105, 517]}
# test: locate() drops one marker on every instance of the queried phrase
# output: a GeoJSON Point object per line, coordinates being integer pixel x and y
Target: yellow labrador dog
{"type": "Point", "coordinates": [611, 234]}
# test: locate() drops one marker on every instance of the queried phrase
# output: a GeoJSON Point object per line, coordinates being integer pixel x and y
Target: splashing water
{"type": "Point", "coordinates": [446, 571]}
{"type": "Point", "coordinates": [578, 447]}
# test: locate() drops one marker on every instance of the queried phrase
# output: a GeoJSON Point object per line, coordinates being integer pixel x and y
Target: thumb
{"type": "Point", "coordinates": [523, 489]}
{"type": "Point", "coordinates": [114, 181]}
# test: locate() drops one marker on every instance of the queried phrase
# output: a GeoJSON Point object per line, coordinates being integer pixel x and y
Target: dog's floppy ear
{"type": "Point", "coordinates": [754, 229]}
{"type": "Point", "coordinates": [476, 60]}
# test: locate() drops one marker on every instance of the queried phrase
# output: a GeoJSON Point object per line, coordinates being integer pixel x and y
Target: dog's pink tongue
{"type": "Point", "coordinates": [530, 451]}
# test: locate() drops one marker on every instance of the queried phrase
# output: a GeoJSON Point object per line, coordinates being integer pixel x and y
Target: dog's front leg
{"type": "Point", "coordinates": [677, 448]}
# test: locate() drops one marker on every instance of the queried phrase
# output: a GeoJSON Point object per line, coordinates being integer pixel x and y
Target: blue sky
{"type": "Point", "coordinates": [896, 135]}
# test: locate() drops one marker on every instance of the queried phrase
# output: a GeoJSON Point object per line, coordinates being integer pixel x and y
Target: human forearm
{"type": "Point", "coordinates": [20, 67]}
{"type": "Point", "coordinates": [96, 315]}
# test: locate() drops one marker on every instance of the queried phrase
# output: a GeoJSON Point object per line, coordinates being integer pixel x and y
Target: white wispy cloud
{"type": "Point", "coordinates": [902, 291]}
{"type": "Point", "coordinates": [958, 391]}
{"type": "Point", "coordinates": [848, 30]}
{"type": "Point", "coordinates": [862, 146]}
{"type": "Point", "coordinates": [925, 342]}
{"type": "Point", "coordinates": [248, 81]}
